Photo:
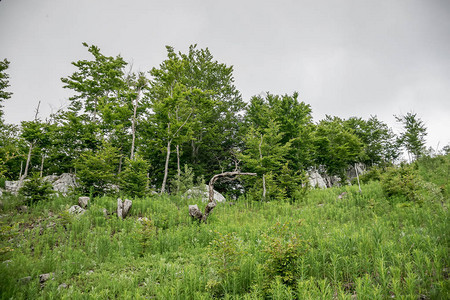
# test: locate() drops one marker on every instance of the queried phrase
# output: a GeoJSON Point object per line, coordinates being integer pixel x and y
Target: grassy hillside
{"type": "Point", "coordinates": [327, 247]}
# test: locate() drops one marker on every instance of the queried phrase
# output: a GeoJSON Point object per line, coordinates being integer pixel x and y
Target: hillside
{"type": "Point", "coordinates": [337, 244]}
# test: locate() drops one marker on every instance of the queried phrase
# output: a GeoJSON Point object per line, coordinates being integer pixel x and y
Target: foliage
{"type": "Point", "coordinates": [283, 249]}
{"type": "Point", "coordinates": [97, 171]}
{"type": "Point", "coordinates": [183, 181]}
{"type": "Point", "coordinates": [4, 84]}
{"type": "Point", "coordinates": [36, 189]}
{"type": "Point", "coordinates": [133, 179]}
{"type": "Point", "coordinates": [404, 182]}
{"type": "Point", "coordinates": [413, 136]}
{"type": "Point", "coordinates": [436, 170]}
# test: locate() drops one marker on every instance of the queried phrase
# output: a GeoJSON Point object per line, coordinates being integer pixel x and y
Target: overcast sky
{"type": "Point", "coordinates": [345, 58]}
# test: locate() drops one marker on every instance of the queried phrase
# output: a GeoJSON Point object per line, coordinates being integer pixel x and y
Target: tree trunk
{"type": "Point", "coordinates": [195, 213]}
{"type": "Point", "coordinates": [178, 169]}
{"type": "Point", "coordinates": [357, 177]}
{"type": "Point", "coordinates": [263, 177]}
{"type": "Point", "coordinates": [166, 168]}
{"type": "Point", "coordinates": [42, 164]}
{"type": "Point", "coordinates": [133, 125]}
{"type": "Point", "coordinates": [25, 173]}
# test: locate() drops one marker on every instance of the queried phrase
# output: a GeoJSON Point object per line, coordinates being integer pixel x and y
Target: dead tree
{"type": "Point", "coordinates": [195, 213]}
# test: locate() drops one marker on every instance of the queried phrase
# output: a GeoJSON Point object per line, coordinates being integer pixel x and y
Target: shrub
{"type": "Point", "coordinates": [182, 182]}
{"type": "Point", "coordinates": [405, 182]}
{"type": "Point", "coordinates": [96, 171]}
{"type": "Point", "coordinates": [283, 249]}
{"type": "Point", "coordinates": [36, 189]}
{"type": "Point", "coordinates": [133, 180]}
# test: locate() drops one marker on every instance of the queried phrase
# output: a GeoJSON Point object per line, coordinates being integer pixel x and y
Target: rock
{"type": "Point", "coordinates": [351, 172]}
{"type": "Point", "coordinates": [342, 195]}
{"type": "Point", "coordinates": [50, 178]}
{"type": "Point", "coordinates": [62, 286]}
{"type": "Point", "coordinates": [65, 183]}
{"type": "Point", "coordinates": [105, 213]}
{"type": "Point", "coordinates": [316, 180]}
{"type": "Point", "coordinates": [202, 192]}
{"type": "Point", "coordinates": [7, 262]}
{"type": "Point", "coordinates": [44, 277]}
{"type": "Point", "coordinates": [123, 207]}
{"type": "Point", "coordinates": [1, 193]}
{"type": "Point", "coordinates": [76, 210]}
{"type": "Point", "coordinates": [24, 280]}
{"type": "Point", "coordinates": [83, 201]}
{"type": "Point", "coordinates": [12, 186]}
{"type": "Point", "coordinates": [22, 208]}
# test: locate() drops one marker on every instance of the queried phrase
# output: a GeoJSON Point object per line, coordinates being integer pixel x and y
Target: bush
{"type": "Point", "coordinates": [183, 182]}
{"type": "Point", "coordinates": [96, 171]}
{"type": "Point", "coordinates": [133, 180]}
{"type": "Point", "coordinates": [405, 182]}
{"type": "Point", "coordinates": [36, 189]}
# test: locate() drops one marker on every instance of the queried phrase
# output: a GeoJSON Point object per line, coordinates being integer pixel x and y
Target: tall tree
{"type": "Point", "coordinates": [413, 136]}
{"type": "Point", "coordinates": [4, 84]}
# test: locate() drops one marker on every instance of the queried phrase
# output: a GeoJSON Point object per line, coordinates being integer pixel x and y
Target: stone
{"type": "Point", "coordinates": [44, 277]}
{"type": "Point", "coordinates": [1, 193]}
{"type": "Point", "coordinates": [22, 208]}
{"type": "Point", "coordinates": [65, 183]}
{"type": "Point", "coordinates": [123, 207]}
{"type": "Point", "coordinates": [83, 201]}
{"type": "Point", "coordinates": [202, 192]}
{"type": "Point", "coordinates": [316, 180]}
{"type": "Point", "coordinates": [76, 210]}
{"type": "Point", "coordinates": [105, 213]}
{"type": "Point", "coordinates": [62, 286]}
{"type": "Point", "coordinates": [359, 167]}
{"type": "Point", "coordinates": [12, 186]}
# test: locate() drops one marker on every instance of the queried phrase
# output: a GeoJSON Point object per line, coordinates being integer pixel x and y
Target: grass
{"type": "Point", "coordinates": [360, 246]}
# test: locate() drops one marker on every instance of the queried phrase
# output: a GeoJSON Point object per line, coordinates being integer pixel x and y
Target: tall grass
{"type": "Point", "coordinates": [362, 245]}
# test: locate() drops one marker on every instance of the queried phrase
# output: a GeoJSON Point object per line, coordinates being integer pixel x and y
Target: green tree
{"type": "Point", "coordinates": [133, 179]}
{"type": "Point", "coordinates": [265, 153]}
{"type": "Point", "coordinates": [413, 136]}
{"type": "Point", "coordinates": [379, 142]}
{"type": "Point", "coordinates": [97, 171]}
{"type": "Point", "coordinates": [4, 84]}
{"type": "Point", "coordinates": [336, 146]}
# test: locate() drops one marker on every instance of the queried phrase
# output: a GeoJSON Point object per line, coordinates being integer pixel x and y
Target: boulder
{"type": "Point", "coordinates": [44, 277]}
{"type": "Point", "coordinates": [1, 193]}
{"type": "Point", "coordinates": [83, 201]}
{"type": "Point", "coordinates": [65, 183]}
{"type": "Point", "coordinates": [76, 210]}
{"type": "Point", "coordinates": [202, 192]}
{"type": "Point", "coordinates": [316, 180]}
{"type": "Point", "coordinates": [359, 167]}
{"type": "Point", "coordinates": [12, 186]}
{"type": "Point", "coordinates": [123, 207]}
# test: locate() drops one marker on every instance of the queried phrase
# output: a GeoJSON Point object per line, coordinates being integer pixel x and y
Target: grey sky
{"type": "Point", "coordinates": [346, 58]}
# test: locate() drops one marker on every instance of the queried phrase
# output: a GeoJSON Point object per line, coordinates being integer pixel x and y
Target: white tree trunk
{"type": "Point", "coordinates": [166, 168]}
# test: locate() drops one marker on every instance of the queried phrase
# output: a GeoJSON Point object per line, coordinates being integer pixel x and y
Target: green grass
{"type": "Point", "coordinates": [361, 245]}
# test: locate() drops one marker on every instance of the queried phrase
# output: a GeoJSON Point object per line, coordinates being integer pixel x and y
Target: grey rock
{"type": "Point", "coordinates": [76, 210]}
{"type": "Point", "coordinates": [1, 193]}
{"type": "Point", "coordinates": [12, 186]}
{"type": "Point", "coordinates": [105, 213]}
{"type": "Point", "coordinates": [65, 183]}
{"type": "Point", "coordinates": [83, 201]}
{"type": "Point", "coordinates": [123, 207]}
{"type": "Point", "coordinates": [22, 208]}
{"type": "Point", "coordinates": [62, 286]}
{"type": "Point", "coordinates": [44, 277]}
{"type": "Point", "coordinates": [316, 180]}
{"type": "Point", "coordinates": [202, 192]}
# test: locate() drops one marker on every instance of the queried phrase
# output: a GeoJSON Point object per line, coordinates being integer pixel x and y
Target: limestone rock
{"type": "Point", "coordinates": [12, 186]}
{"type": "Point", "coordinates": [202, 192]}
{"type": "Point", "coordinates": [76, 210]}
{"type": "Point", "coordinates": [62, 286]}
{"type": "Point", "coordinates": [44, 277]}
{"type": "Point", "coordinates": [65, 183]}
{"type": "Point", "coordinates": [316, 180]}
{"type": "Point", "coordinates": [123, 207]}
{"type": "Point", "coordinates": [83, 201]}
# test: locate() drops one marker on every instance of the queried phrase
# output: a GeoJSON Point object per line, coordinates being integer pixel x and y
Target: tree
{"type": "Point", "coordinates": [413, 136]}
{"type": "Point", "coordinates": [379, 142]}
{"type": "Point", "coordinates": [97, 171]}
{"type": "Point", "coordinates": [265, 152]}
{"type": "Point", "coordinates": [194, 105]}
{"type": "Point", "coordinates": [336, 146]}
{"type": "Point", "coordinates": [133, 179]}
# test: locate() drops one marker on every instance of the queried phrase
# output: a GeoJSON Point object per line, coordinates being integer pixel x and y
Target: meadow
{"type": "Point", "coordinates": [357, 246]}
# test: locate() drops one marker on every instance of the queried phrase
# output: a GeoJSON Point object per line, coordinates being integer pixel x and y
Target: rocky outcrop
{"type": "Point", "coordinates": [316, 180]}
{"type": "Point", "coordinates": [123, 207]}
{"type": "Point", "coordinates": [76, 210]}
{"type": "Point", "coordinates": [202, 192]}
{"type": "Point", "coordinates": [63, 183]}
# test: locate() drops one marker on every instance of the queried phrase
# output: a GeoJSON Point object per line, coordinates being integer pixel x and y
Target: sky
{"type": "Point", "coordinates": [345, 57]}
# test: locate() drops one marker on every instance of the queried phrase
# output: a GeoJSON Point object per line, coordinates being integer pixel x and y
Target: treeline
{"type": "Point", "coordinates": [185, 119]}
